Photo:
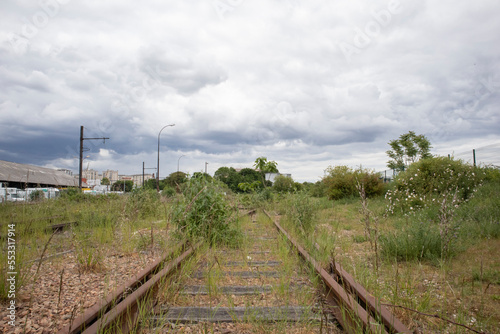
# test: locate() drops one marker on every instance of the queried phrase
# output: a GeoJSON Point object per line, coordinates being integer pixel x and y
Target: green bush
{"type": "Point", "coordinates": [480, 217]}
{"type": "Point", "coordinates": [431, 181]}
{"type": "Point", "coordinates": [284, 184]}
{"type": "Point", "coordinates": [37, 195]}
{"type": "Point", "coordinates": [72, 194]}
{"type": "Point", "coordinates": [491, 174]}
{"type": "Point", "coordinates": [203, 211]}
{"type": "Point", "coordinates": [175, 179]}
{"type": "Point", "coordinates": [341, 182]}
{"type": "Point", "coordinates": [168, 192]}
{"type": "Point", "coordinates": [318, 189]}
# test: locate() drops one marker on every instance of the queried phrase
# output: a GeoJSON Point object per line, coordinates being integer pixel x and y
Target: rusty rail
{"type": "Point", "coordinates": [343, 293]}
{"type": "Point", "coordinates": [119, 311]}
{"type": "Point", "coordinates": [120, 303]}
{"type": "Point", "coordinates": [392, 324]}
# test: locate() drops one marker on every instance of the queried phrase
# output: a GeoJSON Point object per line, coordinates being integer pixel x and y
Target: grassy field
{"type": "Point", "coordinates": [400, 258]}
{"type": "Point", "coordinates": [438, 268]}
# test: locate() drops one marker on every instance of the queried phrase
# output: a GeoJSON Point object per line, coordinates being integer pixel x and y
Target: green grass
{"type": "Point", "coordinates": [415, 272]}
{"type": "Point", "coordinates": [104, 224]}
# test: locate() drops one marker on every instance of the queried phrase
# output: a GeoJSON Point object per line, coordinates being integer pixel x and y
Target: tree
{"type": "Point", "coordinates": [249, 187]}
{"type": "Point", "coordinates": [229, 176]}
{"type": "Point", "coordinates": [284, 184]}
{"type": "Point", "coordinates": [175, 179]}
{"type": "Point", "coordinates": [105, 181]}
{"type": "Point", "coordinates": [249, 175]}
{"type": "Point", "coordinates": [408, 149]}
{"type": "Point", "coordinates": [265, 166]}
{"type": "Point", "coordinates": [118, 185]}
{"type": "Point", "coordinates": [201, 175]}
{"type": "Point", "coordinates": [150, 184]}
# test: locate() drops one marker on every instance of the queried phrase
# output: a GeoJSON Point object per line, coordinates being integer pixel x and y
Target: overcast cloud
{"type": "Point", "coordinates": [307, 84]}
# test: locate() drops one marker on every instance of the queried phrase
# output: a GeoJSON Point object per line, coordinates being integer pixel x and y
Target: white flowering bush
{"type": "Point", "coordinates": [441, 206]}
{"type": "Point", "coordinates": [430, 182]}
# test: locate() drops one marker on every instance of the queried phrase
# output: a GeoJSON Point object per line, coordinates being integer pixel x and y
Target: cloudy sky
{"type": "Point", "coordinates": [307, 84]}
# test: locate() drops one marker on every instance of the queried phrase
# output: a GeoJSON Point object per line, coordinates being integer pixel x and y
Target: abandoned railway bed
{"type": "Point", "coordinates": [263, 286]}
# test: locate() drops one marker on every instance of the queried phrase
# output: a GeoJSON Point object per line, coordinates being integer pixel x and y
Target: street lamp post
{"type": "Point", "coordinates": [178, 162]}
{"type": "Point", "coordinates": [158, 165]}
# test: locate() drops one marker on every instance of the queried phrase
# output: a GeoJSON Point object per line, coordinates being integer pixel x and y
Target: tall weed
{"type": "Point", "coordinates": [417, 240]}
{"type": "Point", "coordinates": [143, 203]}
{"type": "Point", "coordinates": [480, 217]}
{"type": "Point", "coordinates": [301, 210]}
{"type": "Point", "coordinates": [204, 211]}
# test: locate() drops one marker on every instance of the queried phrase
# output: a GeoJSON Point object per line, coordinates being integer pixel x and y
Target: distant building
{"type": "Point", "coordinates": [272, 176]}
{"type": "Point", "coordinates": [137, 178]}
{"type": "Point", "coordinates": [112, 175]}
{"type": "Point", "coordinates": [90, 175]}
{"type": "Point", "coordinates": [28, 176]}
{"type": "Point", "coordinates": [67, 171]}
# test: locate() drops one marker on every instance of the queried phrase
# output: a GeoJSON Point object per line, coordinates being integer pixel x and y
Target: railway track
{"type": "Point", "coordinates": [263, 286]}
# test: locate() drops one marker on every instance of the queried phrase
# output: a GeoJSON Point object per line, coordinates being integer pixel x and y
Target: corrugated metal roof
{"type": "Point", "coordinates": [14, 172]}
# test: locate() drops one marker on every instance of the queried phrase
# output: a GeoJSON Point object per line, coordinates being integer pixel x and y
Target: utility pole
{"type": "Point", "coordinates": [143, 168]}
{"type": "Point", "coordinates": [206, 163]}
{"type": "Point", "coordinates": [81, 154]}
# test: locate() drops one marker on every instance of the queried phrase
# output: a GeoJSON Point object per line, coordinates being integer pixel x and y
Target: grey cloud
{"type": "Point", "coordinates": [364, 92]}
{"type": "Point", "coordinates": [181, 70]}
{"type": "Point", "coordinates": [269, 79]}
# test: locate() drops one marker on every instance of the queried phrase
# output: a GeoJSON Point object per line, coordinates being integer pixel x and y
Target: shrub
{"type": "Point", "coordinates": [168, 192]}
{"type": "Point", "coordinates": [203, 211]}
{"type": "Point", "coordinates": [72, 194]}
{"type": "Point", "coordinates": [283, 184]}
{"type": "Point", "coordinates": [341, 182]}
{"type": "Point", "coordinates": [431, 181]}
{"type": "Point", "coordinates": [174, 180]}
{"type": "Point", "coordinates": [481, 215]}
{"type": "Point", "coordinates": [491, 174]}
{"type": "Point", "coordinates": [37, 195]}
{"type": "Point", "coordinates": [318, 189]}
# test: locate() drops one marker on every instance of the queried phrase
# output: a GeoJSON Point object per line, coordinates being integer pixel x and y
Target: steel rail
{"type": "Point", "coordinates": [93, 313]}
{"type": "Point", "coordinates": [346, 309]}
{"type": "Point", "coordinates": [391, 322]}
{"type": "Point", "coordinates": [125, 312]}
{"type": "Point", "coordinates": [351, 303]}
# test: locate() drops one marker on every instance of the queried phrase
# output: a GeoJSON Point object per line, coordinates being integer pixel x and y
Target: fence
{"type": "Point", "coordinates": [482, 156]}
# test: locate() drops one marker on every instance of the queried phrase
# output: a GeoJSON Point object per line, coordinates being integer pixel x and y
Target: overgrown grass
{"type": "Point", "coordinates": [439, 259]}
{"type": "Point", "coordinates": [103, 224]}
{"type": "Point", "coordinates": [203, 211]}
{"type": "Point", "coordinates": [442, 231]}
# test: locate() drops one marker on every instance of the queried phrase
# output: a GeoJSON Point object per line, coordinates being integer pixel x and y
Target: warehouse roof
{"type": "Point", "coordinates": [28, 174]}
